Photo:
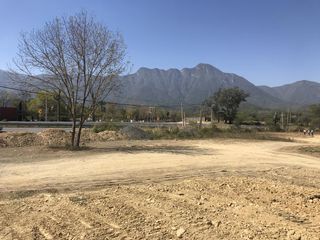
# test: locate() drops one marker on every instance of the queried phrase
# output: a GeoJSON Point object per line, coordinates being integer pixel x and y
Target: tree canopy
{"type": "Point", "coordinates": [225, 102]}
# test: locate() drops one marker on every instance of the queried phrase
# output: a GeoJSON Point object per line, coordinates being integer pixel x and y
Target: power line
{"type": "Point", "coordinates": [17, 89]}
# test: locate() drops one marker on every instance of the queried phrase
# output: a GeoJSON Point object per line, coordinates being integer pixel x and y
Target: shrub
{"type": "Point", "coordinates": [105, 126]}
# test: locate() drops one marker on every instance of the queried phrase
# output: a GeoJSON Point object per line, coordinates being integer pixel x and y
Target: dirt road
{"type": "Point", "coordinates": [208, 189]}
{"type": "Point", "coordinates": [141, 160]}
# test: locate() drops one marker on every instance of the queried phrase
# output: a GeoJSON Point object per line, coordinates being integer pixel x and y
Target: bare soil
{"type": "Point", "coordinates": [53, 138]}
{"type": "Point", "coordinates": [199, 189]}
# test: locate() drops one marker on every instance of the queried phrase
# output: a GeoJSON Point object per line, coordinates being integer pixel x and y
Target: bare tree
{"type": "Point", "coordinates": [76, 57]}
{"type": "Point", "coordinates": [4, 98]}
{"type": "Point", "coordinates": [7, 98]}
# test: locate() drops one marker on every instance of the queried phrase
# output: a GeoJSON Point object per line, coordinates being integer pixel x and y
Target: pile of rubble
{"type": "Point", "coordinates": [59, 137]}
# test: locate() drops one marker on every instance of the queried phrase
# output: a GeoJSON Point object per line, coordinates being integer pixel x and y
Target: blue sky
{"type": "Point", "coordinates": [269, 42]}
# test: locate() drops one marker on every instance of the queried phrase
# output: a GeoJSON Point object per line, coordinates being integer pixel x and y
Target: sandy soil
{"type": "Point", "coordinates": [208, 189]}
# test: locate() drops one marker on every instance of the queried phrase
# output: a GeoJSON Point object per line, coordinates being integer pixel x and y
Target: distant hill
{"type": "Point", "coordinates": [4, 79]}
{"type": "Point", "coordinates": [299, 93]}
{"type": "Point", "coordinates": [193, 85]}
{"type": "Point", "coordinates": [189, 86]}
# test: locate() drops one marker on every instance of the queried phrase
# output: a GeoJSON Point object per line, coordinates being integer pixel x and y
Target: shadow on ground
{"type": "Point", "coordinates": [39, 154]}
{"type": "Point", "coordinates": [185, 150]}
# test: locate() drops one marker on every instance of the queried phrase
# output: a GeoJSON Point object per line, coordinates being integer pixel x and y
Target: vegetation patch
{"type": "Point", "coordinates": [105, 126]}
{"type": "Point", "coordinates": [212, 132]}
{"type": "Point", "coordinates": [310, 150]}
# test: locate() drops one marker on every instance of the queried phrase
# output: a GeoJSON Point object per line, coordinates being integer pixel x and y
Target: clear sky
{"type": "Point", "coordinates": [269, 42]}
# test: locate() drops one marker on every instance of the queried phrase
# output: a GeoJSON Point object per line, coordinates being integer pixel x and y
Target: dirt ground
{"type": "Point", "coordinates": [194, 189]}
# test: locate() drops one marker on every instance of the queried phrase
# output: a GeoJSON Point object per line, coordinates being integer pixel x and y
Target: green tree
{"type": "Point", "coordinates": [314, 115]}
{"type": "Point", "coordinates": [225, 103]}
{"type": "Point", "coordinates": [43, 106]}
{"type": "Point", "coordinates": [8, 99]}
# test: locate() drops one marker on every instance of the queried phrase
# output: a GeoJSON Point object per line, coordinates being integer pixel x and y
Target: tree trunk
{"type": "Point", "coordinates": [74, 123]}
{"type": "Point", "coordinates": [79, 135]}
{"type": "Point", "coordinates": [94, 116]}
{"type": "Point", "coordinates": [200, 123]}
{"type": "Point", "coordinates": [59, 107]}
{"type": "Point", "coordinates": [46, 109]}
{"type": "Point", "coordinates": [73, 132]}
{"type": "Point", "coordinates": [94, 111]}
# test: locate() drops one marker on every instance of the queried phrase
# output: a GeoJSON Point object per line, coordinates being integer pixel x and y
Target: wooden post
{"type": "Point", "coordinates": [200, 122]}
{"type": "Point", "coordinates": [287, 121]}
{"type": "Point", "coordinates": [182, 116]}
{"type": "Point", "coordinates": [46, 109]}
{"type": "Point", "coordinates": [58, 107]}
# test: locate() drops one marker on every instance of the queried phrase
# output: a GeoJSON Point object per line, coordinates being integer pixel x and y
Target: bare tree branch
{"type": "Point", "coordinates": [75, 56]}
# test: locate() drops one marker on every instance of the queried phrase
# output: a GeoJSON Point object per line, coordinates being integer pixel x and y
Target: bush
{"type": "Point", "coordinates": [211, 132]}
{"type": "Point", "coordinates": [188, 133]}
{"type": "Point", "coordinates": [275, 128]}
{"type": "Point", "coordinates": [105, 126]}
{"type": "Point", "coordinates": [163, 133]}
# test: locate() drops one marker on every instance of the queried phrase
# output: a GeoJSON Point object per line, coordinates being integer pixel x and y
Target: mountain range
{"type": "Point", "coordinates": [193, 85]}
{"type": "Point", "coordinates": [300, 93]}
{"type": "Point", "coordinates": [4, 78]}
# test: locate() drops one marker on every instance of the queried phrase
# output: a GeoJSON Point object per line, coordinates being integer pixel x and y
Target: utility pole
{"type": "Point", "coordinates": [46, 109]}
{"type": "Point", "coordinates": [200, 122]}
{"type": "Point", "coordinates": [281, 120]}
{"type": "Point", "coordinates": [58, 107]}
{"type": "Point", "coordinates": [182, 115]}
{"type": "Point", "coordinates": [211, 115]}
{"type": "Point", "coordinates": [290, 115]}
{"type": "Point", "coordinates": [288, 120]}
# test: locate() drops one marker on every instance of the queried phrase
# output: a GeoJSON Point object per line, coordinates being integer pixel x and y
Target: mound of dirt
{"type": "Point", "coordinates": [19, 139]}
{"type": "Point", "coordinates": [59, 137]}
{"type": "Point", "coordinates": [110, 135]}
{"type": "Point", "coordinates": [54, 137]}
{"type": "Point", "coordinates": [87, 135]}
{"type": "Point", "coordinates": [3, 143]}
{"type": "Point", "coordinates": [131, 132]}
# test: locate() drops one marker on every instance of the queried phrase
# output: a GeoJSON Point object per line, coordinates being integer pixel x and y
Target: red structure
{"type": "Point", "coordinates": [8, 113]}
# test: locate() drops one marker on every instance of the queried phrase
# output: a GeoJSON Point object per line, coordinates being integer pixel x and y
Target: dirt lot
{"type": "Point", "coordinates": [199, 189]}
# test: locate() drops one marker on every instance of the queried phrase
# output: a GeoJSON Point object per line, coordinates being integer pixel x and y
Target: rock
{"type": "Point", "coordinates": [132, 132]}
{"type": "Point", "coordinates": [216, 223]}
{"type": "Point", "coordinates": [150, 200]}
{"type": "Point", "coordinates": [180, 232]}
{"type": "Point", "coordinates": [292, 235]}
{"type": "Point", "coordinates": [290, 232]}
{"type": "Point", "coordinates": [209, 222]}
{"type": "Point", "coordinates": [202, 198]}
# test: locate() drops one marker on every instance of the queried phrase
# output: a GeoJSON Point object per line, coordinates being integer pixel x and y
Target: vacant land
{"type": "Point", "coordinates": [199, 189]}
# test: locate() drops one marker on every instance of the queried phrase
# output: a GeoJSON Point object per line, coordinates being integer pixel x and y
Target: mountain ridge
{"type": "Point", "coordinates": [173, 86]}
{"type": "Point", "coordinates": [188, 85]}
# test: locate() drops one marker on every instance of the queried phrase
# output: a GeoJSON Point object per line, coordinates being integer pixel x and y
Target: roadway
{"type": "Point", "coordinates": [20, 126]}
